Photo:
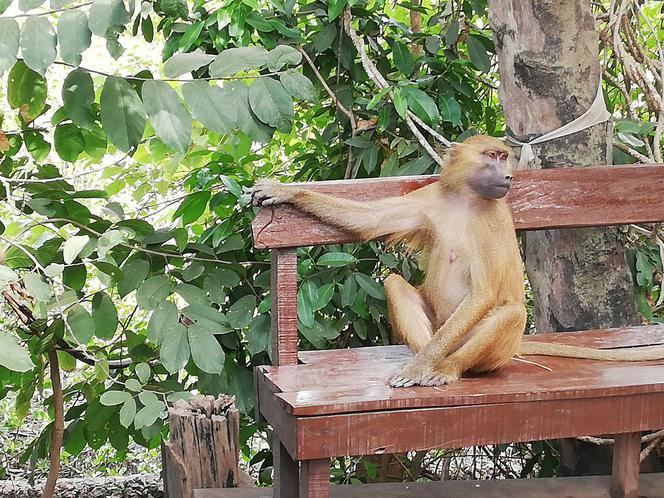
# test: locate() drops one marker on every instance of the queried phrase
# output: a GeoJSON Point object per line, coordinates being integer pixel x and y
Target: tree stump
{"type": "Point", "coordinates": [204, 445]}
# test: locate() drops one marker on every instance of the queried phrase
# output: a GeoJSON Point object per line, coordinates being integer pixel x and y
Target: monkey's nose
{"type": "Point", "coordinates": [508, 177]}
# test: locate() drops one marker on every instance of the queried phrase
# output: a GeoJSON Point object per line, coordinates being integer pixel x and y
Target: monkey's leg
{"type": "Point", "coordinates": [489, 345]}
{"type": "Point", "coordinates": [408, 314]}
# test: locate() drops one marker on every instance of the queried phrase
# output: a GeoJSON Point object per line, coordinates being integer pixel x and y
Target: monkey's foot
{"type": "Point", "coordinates": [421, 374]}
{"type": "Point", "coordinates": [269, 193]}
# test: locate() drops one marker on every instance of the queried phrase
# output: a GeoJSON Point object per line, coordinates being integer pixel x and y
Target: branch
{"type": "Point", "coordinates": [373, 73]}
{"type": "Point", "coordinates": [634, 153]}
{"type": "Point", "coordinates": [58, 430]}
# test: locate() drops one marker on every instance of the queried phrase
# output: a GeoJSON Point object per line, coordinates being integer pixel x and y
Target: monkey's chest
{"type": "Point", "coordinates": [447, 280]}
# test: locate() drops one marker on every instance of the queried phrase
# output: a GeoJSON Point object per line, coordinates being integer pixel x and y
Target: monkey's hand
{"type": "Point", "coordinates": [271, 192]}
{"type": "Point", "coordinates": [422, 371]}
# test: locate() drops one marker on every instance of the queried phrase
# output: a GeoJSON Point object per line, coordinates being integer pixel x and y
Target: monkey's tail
{"type": "Point", "coordinates": [567, 351]}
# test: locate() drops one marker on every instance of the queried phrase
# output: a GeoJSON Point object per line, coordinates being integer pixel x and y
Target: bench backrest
{"type": "Point", "coordinates": [539, 199]}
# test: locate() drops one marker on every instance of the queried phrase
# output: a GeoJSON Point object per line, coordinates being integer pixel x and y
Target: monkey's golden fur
{"type": "Point", "coordinates": [469, 313]}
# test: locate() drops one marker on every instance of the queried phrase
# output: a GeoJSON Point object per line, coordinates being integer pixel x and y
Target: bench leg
{"type": "Point", "coordinates": [625, 472]}
{"type": "Point", "coordinates": [315, 479]}
{"type": "Point", "coordinates": [286, 471]}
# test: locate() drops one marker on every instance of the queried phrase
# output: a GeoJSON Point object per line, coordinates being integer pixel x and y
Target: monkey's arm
{"type": "Point", "coordinates": [369, 219]}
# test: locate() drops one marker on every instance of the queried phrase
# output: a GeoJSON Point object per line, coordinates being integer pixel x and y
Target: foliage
{"type": "Point", "coordinates": [127, 246]}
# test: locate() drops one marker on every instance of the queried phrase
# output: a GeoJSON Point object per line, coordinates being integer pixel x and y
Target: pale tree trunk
{"type": "Point", "coordinates": [549, 70]}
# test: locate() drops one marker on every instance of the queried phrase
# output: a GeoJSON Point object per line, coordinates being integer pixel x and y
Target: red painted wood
{"type": "Point", "coordinates": [284, 307]}
{"type": "Point", "coordinates": [394, 431]}
{"type": "Point", "coordinates": [650, 485]}
{"type": "Point", "coordinates": [625, 471]}
{"type": "Point", "coordinates": [551, 198]}
{"type": "Point", "coordinates": [355, 380]}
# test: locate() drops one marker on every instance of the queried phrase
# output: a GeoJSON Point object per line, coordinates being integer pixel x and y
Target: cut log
{"type": "Point", "coordinates": [204, 445]}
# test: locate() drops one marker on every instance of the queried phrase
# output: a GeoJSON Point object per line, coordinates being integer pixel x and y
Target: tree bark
{"type": "Point", "coordinates": [549, 71]}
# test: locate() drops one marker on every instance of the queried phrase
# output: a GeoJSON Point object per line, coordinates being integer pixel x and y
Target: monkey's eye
{"type": "Point", "coordinates": [503, 156]}
{"type": "Point", "coordinates": [492, 154]}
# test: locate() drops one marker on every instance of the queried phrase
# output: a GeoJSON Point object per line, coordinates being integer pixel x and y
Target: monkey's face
{"type": "Point", "coordinates": [492, 177]}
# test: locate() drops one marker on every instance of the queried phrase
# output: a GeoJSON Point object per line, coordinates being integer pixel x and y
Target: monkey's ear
{"type": "Point", "coordinates": [452, 144]}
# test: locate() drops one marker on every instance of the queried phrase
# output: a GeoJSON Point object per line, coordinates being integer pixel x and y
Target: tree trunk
{"type": "Point", "coordinates": [204, 445]}
{"type": "Point", "coordinates": [549, 71]}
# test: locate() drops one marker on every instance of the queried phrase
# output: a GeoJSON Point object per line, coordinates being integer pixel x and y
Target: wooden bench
{"type": "Point", "coordinates": [325, 404]}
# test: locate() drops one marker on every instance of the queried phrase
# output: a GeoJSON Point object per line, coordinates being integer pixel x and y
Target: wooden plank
{"type": "Point", "coordinates": [286, 471]}
{"type": "Point", "coordinates": [550, 198]}
{"type": "Point", "coordinates": [360, 384]}
{"type": "Point", "coordinates": [284, 307]}
{"type": "Point", "coordinates": [395, 431]}
{"type": "Point", "coordinates": [625, 471]}
{"type": "Point", "coordinates": [600, 338]}
{"type": "Point", "coordinates": [650, 485]}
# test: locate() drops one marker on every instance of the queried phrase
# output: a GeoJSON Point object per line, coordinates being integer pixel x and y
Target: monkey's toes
{"type": "Point", "coordinates": [399, 381]}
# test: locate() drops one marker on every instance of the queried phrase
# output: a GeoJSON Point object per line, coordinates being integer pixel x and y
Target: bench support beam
{"type": "Point", "coordinates": [315, 478]}
{"type": "Point", "coordinates": [625, 473]}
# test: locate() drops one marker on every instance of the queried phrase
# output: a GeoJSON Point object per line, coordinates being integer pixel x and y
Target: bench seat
{"type": "Point", "coordinates": [539, 398]}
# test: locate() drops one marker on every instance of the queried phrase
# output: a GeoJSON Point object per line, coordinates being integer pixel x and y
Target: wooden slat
{"type": "Point", "coordinates": [359, 383]}
{"type": "Point", "coordinates": [284, 307]}
{"type": "Point", "coordinates": [551, 198]}
{"type": "Point", "coordinates": [397, 431]}
{"type": "Point", "coordinates": [650, 485]}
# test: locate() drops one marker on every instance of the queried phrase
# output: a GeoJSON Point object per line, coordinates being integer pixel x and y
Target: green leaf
{"type": "Point", "coordinates": [336, 259]}
{"type": "Point", "coordinates": [4, 5]}
{"type": "Point", "coordinates": [26, 88]}
{"type": "Point", "coordinates": [170, 119]}
{"type": "Point", "coordinates": [477, 53]}
{"type": "Point", "coordinates": [134, 273]}
{"type": "Point", "coordinates": [205, 349]}
{"type": "Point", "coordinates": [298, 85]}
{"type": "Point", "coordinates": [74, 36]}
{"type": "Point", "coordinates": [95, 142]}
{"type": "Point", "coordinates": [306, 297]}
{"type": "Point", "coordinates": [450, 109]}
{"type": "Point", "coordinates": [247, 122]}
{"type": "Point", "coordinates": [241, 312]}
{"type": "Point", "coordinates": [7, 276]}
{"type": "Point", "coordinates": [68, 141]}
{"type": "Point", "coordinates": [36, 145]}
{"type": "Point", "coordinates": [272, 104]}
{"type": "Point", "coordinates": [109, 239]}
{"type": "Point", "coordinates": [122, 113]}
{"type": "Point", "coordinates": [377, 98]}
{"type": "Point", "coordinates": [81, 324]}
{"type": "Point", "coordinates": [78, 94]}
{"type": "Point", "coordinates": [12, 355]}
{"type": "Point", "coordinates": [233, 60]}
{"type": "Point", "coordinates": [421, 104]}
{"type": "Point", "coordinates": [106, 14]}
{"type": "Point", "coordinates": [258, 338]}
{"type": "Point", "coordinates": [73, 246]}
{"type": "Point", "coordinates": [149, 414]}
{"type": "Point", "coordinates": [153, 291]}
{"type": "Point", "coordinates": [334, 8]}
{"type": "Point", "coordinates": [319, 333]}
{"type": "Point", "coordinates": [370, 286]}
{"type": "Point", "coordinates": [325, 37]}
{"type": "Point", "coordinates": [113, 398]}
{"type": "Point", "coordinates": [281, 56]}
{"type": "Point", "coordinates": [211, 105]}
{"type": "Point", "coordinates": [143, 372]}
{"type": "Point", "coordinates": [180, 63]}
{"type": "Point", "coordinates": [26, 5]}
{"type": "Point", "coordinates": [192, 207]}
{"type": "Point", "coordinates": [400, 103]}
{"type": "Point", "coordinates": [75, 276]}
{"type": "Point", "coordinates": [38, 43]}
{"type": "Point", "coordinates": [9, 36]}
{"type": "Point", "coordinates": [324, 296]}
{"type": "Point", "coordinates": [127, 412]}
{"type": "Point", "coordinates": [133, 385]}
{"type": "Point", "coordinates": [104, 315]}
{"type": "Point", "coordinates": [193, 271]}
{"type": "Point", "coordinates": [39, 289]}
{"type": "Point", "coordinates": [191, 293]}
{"type": "Point", "coordinates": [174, 352]}
{"type": "Point", "coordinates": [452, 33]}
{"type": "Point", "coordinates": [165, 316]}
{"type": "Point", "coordinates": [403, 59]}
